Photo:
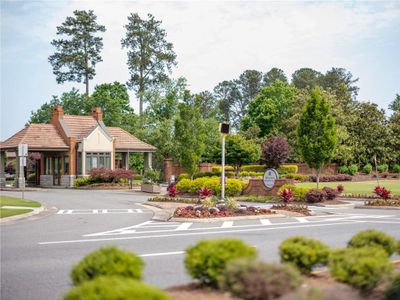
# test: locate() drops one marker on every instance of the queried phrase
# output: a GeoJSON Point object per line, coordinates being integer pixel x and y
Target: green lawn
{"type": "Point", "coordinates": [11, 201]}
{"type": "Point", "coordinates": [362, 187]}
{"type": "Point", "coordinates": [8, 212]}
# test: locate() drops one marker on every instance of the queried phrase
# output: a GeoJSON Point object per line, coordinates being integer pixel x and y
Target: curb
{"type": "Point", "coordinates": [36, 210]}
{"type": "Point", "coordinates": [159, 214]}
{"type": "Point", "coordinates": [378, 207]}
{"type": "Point", "coordinates": [212, 220]}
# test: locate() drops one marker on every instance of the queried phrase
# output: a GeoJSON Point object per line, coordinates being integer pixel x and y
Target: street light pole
{"type": "Point", "coordinates": [223, 170]}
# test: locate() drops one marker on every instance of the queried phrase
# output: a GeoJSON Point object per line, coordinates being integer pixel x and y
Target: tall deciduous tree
{"type": "Point", "coordinates": [273, 75]}
{"type": "Point", "coordinates": [306, 78]}
{"type": "Point", "coordinates": [270, 108]}
{"type": "Point", "coordinates": [78, 51]}
{"type": "Point", "coordinates": [189, 137]}
{"type": "Point", "coordinates": [395, 104]}
{"type": "Point", "coordinates": [150, 56]}
{"type": "Point", "coordinates": [317, 132]}
{"type": "Point", "coordinates": [335, 77]}
{"type": "Point", "coordinates": [234, 96]}
{"type": "Point", "coordinates": [113, 99]}
{"type": "Point", "coordinates": [240, 151]}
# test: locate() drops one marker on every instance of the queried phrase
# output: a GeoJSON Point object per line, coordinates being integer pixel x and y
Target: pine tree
{"type": "Point", "coordinates": [78, 52]}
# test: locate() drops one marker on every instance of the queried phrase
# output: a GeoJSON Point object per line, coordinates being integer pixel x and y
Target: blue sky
{"type": "Point", "coordinates": [214, 41]}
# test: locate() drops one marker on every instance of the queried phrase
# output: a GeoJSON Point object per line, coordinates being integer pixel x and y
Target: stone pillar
{"type": "Point", "coordinates": [168, 169]}
{"type": "Point", "coordinates": [3, 160]}
{"type": "Point", "coordinates": [148, 160]}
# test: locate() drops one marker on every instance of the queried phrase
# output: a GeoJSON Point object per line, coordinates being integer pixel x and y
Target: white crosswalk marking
{"type": "Point", "coordinates": [184, 226]}
{"type": "Point", "coordinates": [302, 220]}
{"type": "Point", "coordinates": [265, 222]}
{"type": "Point", "coordinates": [102, 211]}
{"type": "Point", "coordinates": [227, 224]}
{"type": "Point", "coordinates": [95, 211]}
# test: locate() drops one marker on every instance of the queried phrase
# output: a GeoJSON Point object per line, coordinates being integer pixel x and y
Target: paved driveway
{"type": "Point", "coordinates": [37, 255]}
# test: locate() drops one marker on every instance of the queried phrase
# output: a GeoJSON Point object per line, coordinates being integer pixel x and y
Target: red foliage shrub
{"type": "Point", "coordinates": [205, 192]}
{"type": "Point", "coordinates": [331, 194]}
{"type": "Point", "coordinates": [286, 195]}
{"type": "Point", "coordinates": [315, 196]}
{"type": "Point", "coordinates": [108, 175]}
{"type": "Point", "coordinates": [331, 178]}
{"type": "Point", "coordinates": [340, 188]}
{"type": "Point", "coordinates": [172, 190]}
{"type": "Point", "coordinates": [382, 192]}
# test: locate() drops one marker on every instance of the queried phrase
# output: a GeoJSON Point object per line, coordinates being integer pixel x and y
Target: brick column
{"type": "Point", "coordinates": [168, 169]}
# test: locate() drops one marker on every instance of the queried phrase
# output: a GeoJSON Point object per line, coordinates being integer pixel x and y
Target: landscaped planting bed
{"type": "Point", "coordinates": [219, 212]}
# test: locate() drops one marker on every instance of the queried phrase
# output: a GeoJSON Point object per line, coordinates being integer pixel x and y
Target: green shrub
{"type": "Point", "coordinates": [303, 253]}
{"type": "Point", "coordinates": [107, 261]}
{"type": "Point", "coordinates": [233, 187]}
{"type": "Point", "coordinates": [115, 288]}
{"type": "Point", "coordinates": [219, 169]}
{"type": "Point", "coordinates": [183, 176]}
{"type": "Point", "coordinates": [184, 185]}
{"type": "Point", "coordinates": [367, 169]}
{"type": "Point", "coordinates": [393, 290]}
{"type": "Point", "coordinates": [255, 280]}
{"type": "Point", "coordinates": [31, 177]}
{"type": "Point", "coordinates": [343, 170]}
{"type": "Point", "coordinates": [298, 177]}
{"type": "Point", "coordinates": [137, 177]}
{"type": "Point", "coordinates": [254, 168]}
{"type": "Point", "coordinates": [372, 237]}
{"type": "Point", "coordinates": [299, 193]}
{"type": "Point", "coordinates": [352, 170]}
{"type": "Point", "coordinates": [382, 168]}
{"type": "Point", "coordinates": [285, 169]}
{"type": "Point", "coordinates": [206, 260]}
{"type": "Point", "coordinates": [82, 181]}
{"type": "Point", "coordinates": [396, 169]}
{"type": "Point", "coordinates": [197, 184]}
{"type": "Point", "coordinates": [152, 176]}
{"type": "Point", "coordinates": [362, 268]}
{"type": "Point", "coordinates": [398, 247]}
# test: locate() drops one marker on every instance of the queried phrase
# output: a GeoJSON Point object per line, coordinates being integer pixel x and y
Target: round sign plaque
{"type": "Point", "coordinates": [269, 178]}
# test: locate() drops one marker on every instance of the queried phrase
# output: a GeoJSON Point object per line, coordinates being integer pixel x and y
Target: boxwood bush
{"type": "Point", "coordinates": [352, 170]}
{"type": "Point", "coordinates": [303, 253]}
{"type": "Point", "coordinates": [115, 288]}
{"type": "Point", "coordinates": [393, 290]}
{"type": "Point", "coordinates": [233, 186]}
{"type": "Point", "coordinates": [382, 168]}
{"type": "Point", "coordinates": [362, 268]}
{"type": "Point", "coordinates": [367, 169]}
{"type": "Point", "coordinates": [396, 169]}
{"type": "Point", "coordinates": [343, 169]}
{"type": "Point", "coordinates": [107, 261]}
{"type": "Point", "coordinates": [373, 238]}
{"type": "Point", "coordinates": [206, 260]}
{"type": "Point", "coordinates": [255, 280]}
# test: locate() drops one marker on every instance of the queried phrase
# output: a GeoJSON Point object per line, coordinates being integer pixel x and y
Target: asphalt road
{"type": "Point", "coordinates": [37, 254]}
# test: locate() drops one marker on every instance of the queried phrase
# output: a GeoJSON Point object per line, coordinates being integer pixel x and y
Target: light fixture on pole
{"type": "Point", "coordinates": [224, 130]}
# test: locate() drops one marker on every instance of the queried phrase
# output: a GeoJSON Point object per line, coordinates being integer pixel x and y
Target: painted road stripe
{"type": "Point", "coordinates": [95, 211]}
{"type": "Point", "coordinates": [264, 228]}
{"type": "Point", "coordinates": [227, 224]}
{"type": "Point", "coordinates": [302, 220]}
{"type": "Point", "coordinates": [265, 222]}
{"type": "Point", "coordinates": [184, 226]}
{"type": "Point", "coordinates": [61, 211]}
{"type": "Point", "coordinates": [162, 254]}
{"type": "Point", "coordinates": [69, 211]}
{"type": "Point", "coordinates": [139, 210]}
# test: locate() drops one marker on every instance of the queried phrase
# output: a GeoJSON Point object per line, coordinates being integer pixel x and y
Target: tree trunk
{"type": "Point", "coordinates": [318, 173]}
{"type": "Point", "coordinates": [87, 84]}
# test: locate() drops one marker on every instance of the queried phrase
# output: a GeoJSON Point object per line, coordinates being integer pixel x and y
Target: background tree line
{"type": "Point", "coordinates": [184, 125]}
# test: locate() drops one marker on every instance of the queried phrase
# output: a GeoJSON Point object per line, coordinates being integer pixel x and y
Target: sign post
{"type": "Point", "coordinates": [224, 130]}
{"type": "Point", "coordinates": [22, 154]}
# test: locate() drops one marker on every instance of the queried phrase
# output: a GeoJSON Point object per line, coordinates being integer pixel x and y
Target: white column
{"type": "Point", "coordinates": [148, 160]}
{"type": "Point", "coordinates": [83, 163]}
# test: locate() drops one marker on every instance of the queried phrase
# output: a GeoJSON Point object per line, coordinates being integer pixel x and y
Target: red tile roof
{"type": "Point", "coordinates": [126, 141]}
{"type": "Point", "coordinates": [37, 136]}
{"type": "Point", "coordinates": [79, 126]}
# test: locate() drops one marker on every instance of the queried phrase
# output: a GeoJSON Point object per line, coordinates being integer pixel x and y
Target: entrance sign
{"type": "Point", "coordinates": [269, 178]}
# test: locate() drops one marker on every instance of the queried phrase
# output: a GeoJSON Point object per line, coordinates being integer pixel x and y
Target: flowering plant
{"type": "Point", "coordinates": [205, 192]}
{"type": "Point", "coordinates": [286, 195]}
{"type": "Point", "coordinates": [382, 192]}
{"type": "Point", "coordinates": [172, 190]}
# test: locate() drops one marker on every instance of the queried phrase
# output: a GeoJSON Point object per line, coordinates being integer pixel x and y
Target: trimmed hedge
{"type": "Point", "coordinates": [396, 169]}
{"type": "Point", "coordinates": [373, 238]}
{"type": "Point", "coordinates": [233, 187]}
{"type": "Point", "coordinates": [382, 168]}
{"type": "Point", "coordinates": [108, 261]}
{"type": "Point", "coordinates": [367, 169]}
{"type": "Point", "coordinates": [206, 261]}
{"type": "Point", "coordinates": [115, 288]}
{"type": "Point", "coordinates": [362, 268]}
{"type": "Point", "coordinates": [299, 193]}
{"type": "Point", "coordinates": [303, 253]}
{"type": "Point", "coordinates": [256, 280]}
